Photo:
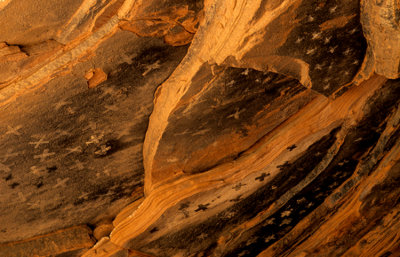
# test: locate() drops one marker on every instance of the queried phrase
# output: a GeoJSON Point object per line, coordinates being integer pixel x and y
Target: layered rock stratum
{"type": "Point", "coordinates": [199, 128]}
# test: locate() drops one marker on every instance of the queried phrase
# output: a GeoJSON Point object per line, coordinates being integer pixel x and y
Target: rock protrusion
{"type": "Point", "coordinates": [95, 77]}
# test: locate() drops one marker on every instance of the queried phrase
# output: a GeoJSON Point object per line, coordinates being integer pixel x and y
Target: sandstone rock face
{"type": "Point", "coordinates": [83, 152]}
{"type": "Point", "coordinates": [276, 194]}
{"type": "Point", "coordinates": [32, 22]}
{"type": "Point", "coordinates": [175, 21]}
{"type": "Point", "coordinates": [381, 25]}
{"type": "Point", "coordinates": [74, 239]}
{"type": "Point", "coordinates": [199, 128]}
{"type": "Point", "coordinates": [222, 115]}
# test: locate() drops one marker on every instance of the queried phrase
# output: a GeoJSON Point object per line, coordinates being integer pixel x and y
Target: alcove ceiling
{"type": "Point", "coordinates": [199, 128]}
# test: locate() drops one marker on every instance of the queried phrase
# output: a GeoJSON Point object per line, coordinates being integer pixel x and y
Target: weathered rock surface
{"type": "Point", "coordinates": [71, 240]}
{"type": "Point", "coordinates": [68, 151]}
{"type": "Point", "coordinates": [175, 21]}
{"type": "Point", "coordinates": [221, 115]}
{"type": "Point", "coordinates": [199, 128]}
{"type": "Point", "coordinates": [305, 170]}
{"type": "Point", "coordinates": [32, 22]}
{"type": "Point", "coordinates": [381, 26]}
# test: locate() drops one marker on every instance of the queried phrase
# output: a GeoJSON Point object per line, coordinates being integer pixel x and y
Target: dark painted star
{"type": "Point", "coordinates": [202, 207]}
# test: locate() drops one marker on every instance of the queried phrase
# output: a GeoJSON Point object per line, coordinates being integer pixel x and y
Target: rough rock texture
{"type": "Point", "coordinates": [200, 128]}
{"type": "Point", "coordinates": [381, 26]}
{"type": "Point", "coordinates": [74, 239]}
{"type": "Point", "coordinates": [68, 152]}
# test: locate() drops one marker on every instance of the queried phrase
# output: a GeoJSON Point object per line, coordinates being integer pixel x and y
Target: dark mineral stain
{"type": "Point", "coordinates": [262, 176]}
{"type": "Point", "coordinates": [99, 191]}
{"type": "Point", "coordinates": [73, 253]}
{"type": "Point", "coordinates": [51, 169]}
{"type": "Point", "coordinates": [78, 201]}
{"type": "Point", "coordinates": [357, 142]}
{"type": "Point", "coordinates": [386, 254]}
{"type": "Point", "coordinates": [155, 229]}
{"type": "Point", "coordinates": [392, 140]}
{"type": "Point", "coordinates": [249, 207]}
{"type": "Point", "coordinates": [374, 205]}
{"type": "Point", "coordinates": [184, 206]}
{"type": "Point", "coordinates": [39, 184]}
{"type": "Point", "coordinates": [67, 130]}
{"type": "Point", "coordinates": [235, 97]}
{"type": "Point", "coordinates": [120, 192]}
{"type": "Point", "coordinates": [152, 55]}
{"type": "Point", "coordinates": [331, 52]}
{"type": "Point", "coordinates": [8, 177]}
{"type": "Point", "coordinates": [283, 166]}
{"type": "Point", "coordinates": [292, 147]}
{"type": "Point", "coordinates": [14, 185]}
{"type": "Point", "coordinates": [115, 145]}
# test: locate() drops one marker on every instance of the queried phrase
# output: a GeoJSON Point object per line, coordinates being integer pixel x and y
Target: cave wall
{"type": "Point", "coordinates": [200, 128]}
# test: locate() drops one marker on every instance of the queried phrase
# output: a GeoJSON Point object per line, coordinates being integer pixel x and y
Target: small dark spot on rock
{"type": "Point", "coordinates": [51, 169]}
{"type": "Point", "coordinates": [270, 91]}
{"type": "Point", "coordinates": [39, 184]}
{"type": "Point", "coordinates": [337, 196]}
{"type": "Point", "coordinates": [238, 186]}
{"type": "Point", "coordinates": [261, 177]}
{"type": "Point", "coordinates": [237, 199]}
{"type": "Point", "coordinates": [363, 242]}
{"type": "Point", "coordinates": [14, 185]}
{"type": "Point", "coordinates": [290, 148]}
{"type": "Point", "coordinates": [386, 254]}
{"type": "Point", "coordinates": [283, 166]}
{"type": "Point", "coordinates": [155, 229]}
{"type": "Point", "coordinates": [78, 201]}
{"type": "Point", "coordinates": [184, 206]}
{"type": "Point", "coordinates": [9, 177]}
